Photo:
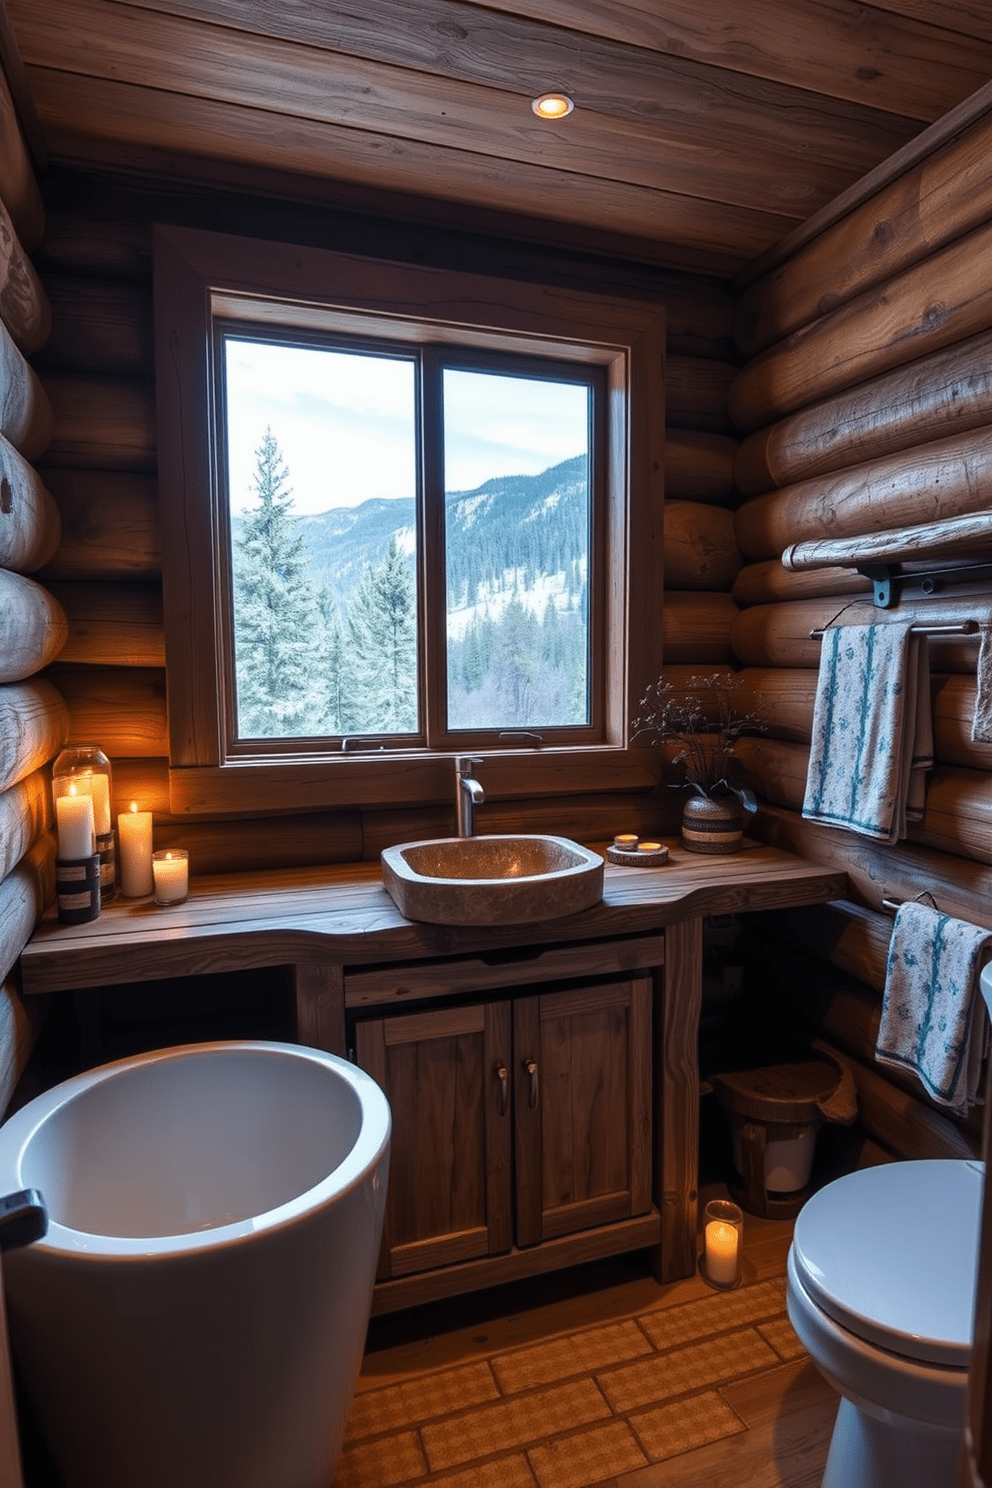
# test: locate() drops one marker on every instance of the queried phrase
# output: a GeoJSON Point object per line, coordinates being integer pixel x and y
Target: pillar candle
{"type": "Point", "coordinates": [134, 828]}
{"type": "Point", "coordinates": [721, 1252]}
{"type": "Point", "coordinates": [74, 822]}
{"type": "Point", "coordinates": [171, 870]}
{"type": "Point", "coordinates": [100, 787]}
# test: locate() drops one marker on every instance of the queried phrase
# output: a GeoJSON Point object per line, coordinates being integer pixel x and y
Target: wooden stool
{"type": "Point", "coordinates": [779, 1104]}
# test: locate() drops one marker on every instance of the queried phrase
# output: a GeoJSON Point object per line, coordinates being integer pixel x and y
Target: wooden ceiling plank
{"type": "Point", "coordinates": [122, 118]}
{"type": "Point", "coordinates": [450, 39]}
{"type": "Point", "coordinates": [303, 83]}
{"type": "Point", "coordinates": [873, 55]}
{"type": "Point", "coordinates": [971, 18]}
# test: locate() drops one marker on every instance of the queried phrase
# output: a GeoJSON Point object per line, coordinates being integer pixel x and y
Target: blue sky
{"type": "Point", "coordinates": [343, 423]}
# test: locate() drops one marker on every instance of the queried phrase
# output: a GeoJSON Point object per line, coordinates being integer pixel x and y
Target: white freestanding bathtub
{"type": "Point", "coordinates": [196, 1314]}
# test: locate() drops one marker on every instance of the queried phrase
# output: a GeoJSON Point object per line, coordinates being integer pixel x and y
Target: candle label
{"type": "Point", "coordinates": [76, 901]}
{"type": "Point", "coordinates": [77, 890]}
{"type": "Point", "coordinates": [108, 866]}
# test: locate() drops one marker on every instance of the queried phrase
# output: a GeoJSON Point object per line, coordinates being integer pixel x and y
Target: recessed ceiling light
{"type": "Point", "coordinates": [552, 105]}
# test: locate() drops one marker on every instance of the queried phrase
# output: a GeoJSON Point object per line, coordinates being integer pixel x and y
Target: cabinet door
{"type": "Point", "coordinates": [446, 1075]}
{"type": "Point", "coordinates": [582, 1077]}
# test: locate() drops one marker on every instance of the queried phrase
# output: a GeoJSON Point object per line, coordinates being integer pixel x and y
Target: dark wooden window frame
{"type": "Point", "coordinates": [200, 275]}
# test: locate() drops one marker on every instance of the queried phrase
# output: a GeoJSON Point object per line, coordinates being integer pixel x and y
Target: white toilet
{"type": "Point", "coordinates": [881, 1289]}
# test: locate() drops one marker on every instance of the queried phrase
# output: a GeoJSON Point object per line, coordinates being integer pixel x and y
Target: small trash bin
{"type": "Point", "coordinates": [775, 1114]}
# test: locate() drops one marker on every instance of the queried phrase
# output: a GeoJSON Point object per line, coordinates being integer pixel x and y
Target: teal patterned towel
{"type": "Point", "coordinates": [872, 731]}
{"type": "Point", "coordinates": [933, 1022]}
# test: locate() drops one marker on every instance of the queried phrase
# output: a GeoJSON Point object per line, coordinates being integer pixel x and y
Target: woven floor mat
{"type": "Point", "coordinates": [575, 1409]}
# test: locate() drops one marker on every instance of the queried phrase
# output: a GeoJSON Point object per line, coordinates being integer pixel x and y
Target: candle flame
{"type": "Point", "coordinates": [133, 806]}
{"type": "Point", "coordinates": [72, 788]}
{"type": "Point", "coordinates": [168, 857]}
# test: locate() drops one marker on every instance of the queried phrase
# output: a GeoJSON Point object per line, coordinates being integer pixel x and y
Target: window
{"type": "Point", "coordinates": [406, 514]}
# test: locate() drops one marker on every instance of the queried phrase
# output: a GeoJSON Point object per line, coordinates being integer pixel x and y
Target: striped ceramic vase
{"type": "Point", "coordinates": [712, 824]}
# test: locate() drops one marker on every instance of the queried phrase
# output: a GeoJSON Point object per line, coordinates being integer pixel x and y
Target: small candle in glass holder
{"type": "Point", "coordinates": [724, 1222]}
{"type": "Point", "coordinates": [649, 847]}
{"type": "Point", "coordinates": [170, 870]}
{"type": "Point", "coordinates": [626, 841]}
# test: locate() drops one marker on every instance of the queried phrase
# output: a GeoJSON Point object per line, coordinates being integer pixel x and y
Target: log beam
{"type": "Point", "coordinates": [102, 423]}
{"type": "Point", "coordinates": [34, 725]}
{"type": "Point", "coordinates": [30, 524]}
{"type": "Point", "coordinates": [24, 895]}
{"type": "Point", "coordinates": [947, 478]}
{"type": "Point", "coordinates": [112, 626]}
{"type": "Point", "coordinates": [700, 467]}
{"type": "Point", "coordinates": [110, 527]}
{"type": "Point", "coordinates": [884, 328]}
{"type": "Point", "coordinates": [947, 392]}
{"type": "Point", "coordinates": [25, 813]}
{"type": "Point", "coordinates": [767, 582]}
{"type": "Point", "coordinates": [123, 707]}
{"type": "Point", "coordinates": [33, 627]}
{"type": "Point", "coordinates": [700, 548]}
{"type": "Point", "coordinates": [697, 627]}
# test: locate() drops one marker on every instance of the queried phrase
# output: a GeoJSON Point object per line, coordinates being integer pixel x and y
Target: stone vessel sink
{"type": "Point", "coordinates": [508, 880]}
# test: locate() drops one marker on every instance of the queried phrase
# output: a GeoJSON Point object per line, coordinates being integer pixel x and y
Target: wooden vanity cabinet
{"type": "Point", "coordinates": [516, 1121]}
{"type": "Point", "coordinates": [582, 1103]}
{"type": "Point", "coordinates": [446, 1075]}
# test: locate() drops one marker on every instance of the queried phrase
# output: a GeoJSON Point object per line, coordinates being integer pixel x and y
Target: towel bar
{"type": "Point", "coordinates": [961, 628]}
{"type": "Point", "coordinates": [892, 905]}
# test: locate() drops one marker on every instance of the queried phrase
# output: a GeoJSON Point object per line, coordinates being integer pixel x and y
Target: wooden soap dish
{"type": "Point", "coordinates": [628, 858]}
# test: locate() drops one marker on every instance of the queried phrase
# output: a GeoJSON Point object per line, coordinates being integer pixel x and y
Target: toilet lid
{"type": "Point", "coordinates": [891, 1254]}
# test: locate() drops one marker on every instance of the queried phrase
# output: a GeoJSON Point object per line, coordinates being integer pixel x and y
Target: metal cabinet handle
{"type": "Point", "coordinates": [530, 1068]}
{"type": "Point", "coordinates": [503, 1076]}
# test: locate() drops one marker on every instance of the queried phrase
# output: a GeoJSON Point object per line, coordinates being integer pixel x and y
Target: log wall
{"type": "Point", "coordinates": [33, 718]}
{"type": "Point", "coordinates": [97, 373]}
{"type": "Point", "coordinates": [866, 409]}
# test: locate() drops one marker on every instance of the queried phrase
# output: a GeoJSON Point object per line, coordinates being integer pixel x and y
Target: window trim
{"type": "Point", "coordinates": [196, 271]}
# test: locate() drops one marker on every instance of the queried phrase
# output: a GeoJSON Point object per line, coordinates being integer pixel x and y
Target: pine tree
{"type": "Point", "coordinates": [516, 664]}
{"type": "Point", "coordinates": [276, 614]}
{"type": "Point", "coordinates": [382, 649]}
{"type": "Point", "coordinates": [334, 665]}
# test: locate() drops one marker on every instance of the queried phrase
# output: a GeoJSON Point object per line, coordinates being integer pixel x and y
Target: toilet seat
{"type": "Point", "coordinates": [890, 1253]}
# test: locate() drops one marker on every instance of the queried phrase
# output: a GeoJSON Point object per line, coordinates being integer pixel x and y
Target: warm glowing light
{"type": "Point", "coordinates": [552, 106]}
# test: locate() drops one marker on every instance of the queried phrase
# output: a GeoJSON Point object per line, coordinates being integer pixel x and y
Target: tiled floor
{"type": "Point", "coordinates": [575, 1408]}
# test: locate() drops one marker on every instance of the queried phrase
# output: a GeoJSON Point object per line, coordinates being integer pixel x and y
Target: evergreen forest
{"type": "Point", "coordinates": [325, 608]}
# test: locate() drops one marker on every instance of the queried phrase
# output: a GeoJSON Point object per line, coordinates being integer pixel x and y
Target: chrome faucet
{"type": "Point", "coordinates": [468, 793]}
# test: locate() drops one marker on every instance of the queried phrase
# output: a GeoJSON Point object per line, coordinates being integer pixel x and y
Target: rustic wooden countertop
{"type": "Point", "coordinates": [343, 914]}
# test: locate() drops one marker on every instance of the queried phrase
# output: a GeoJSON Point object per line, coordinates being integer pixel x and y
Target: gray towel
{"type": "Point", "coordinates": [872, 731]}
{"type": "Point", "coordinates": [933, 1023]}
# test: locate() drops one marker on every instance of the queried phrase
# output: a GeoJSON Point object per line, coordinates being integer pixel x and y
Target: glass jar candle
{"type": "Point", "coordinates": [723, 1225]}
{"type": "Point", "coordinates": [170, 870]}
{"type": "Point", "coordinates": [80, 774]}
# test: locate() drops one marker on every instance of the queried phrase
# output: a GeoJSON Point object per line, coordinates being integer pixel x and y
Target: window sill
{"type": "Point", "coordinates": [393, 779]}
